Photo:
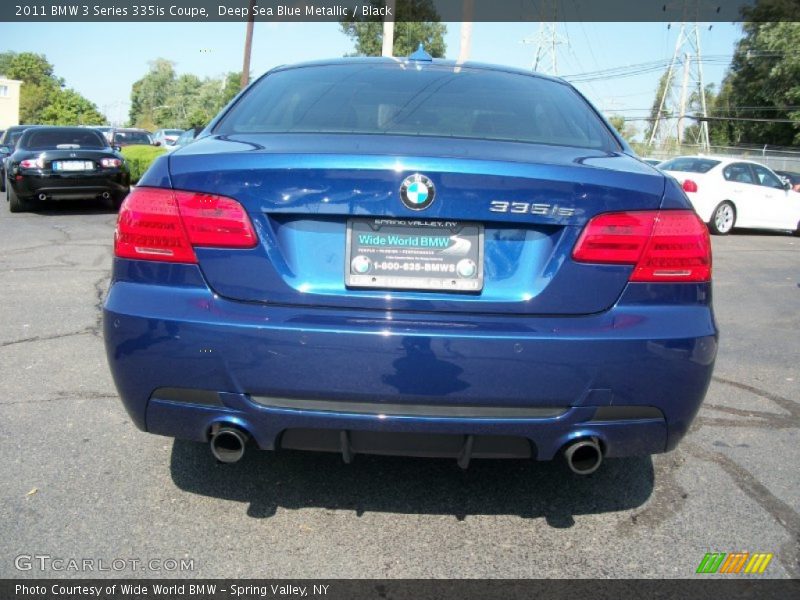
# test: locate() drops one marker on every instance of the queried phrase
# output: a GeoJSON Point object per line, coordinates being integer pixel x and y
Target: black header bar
{"type": "Point", "coordinates": [448, 10]}
{"type": "Point", "coordinates": [735, 588]}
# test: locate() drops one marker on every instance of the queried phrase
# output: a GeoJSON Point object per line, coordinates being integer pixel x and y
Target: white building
{"type": "Point", "coordinates": [9, 102]}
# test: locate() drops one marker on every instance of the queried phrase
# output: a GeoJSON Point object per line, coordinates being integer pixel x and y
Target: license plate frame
{"type": "Point", "coordinates": [410, 254]}
{"type": "Point", "coordinates": [73, 166]}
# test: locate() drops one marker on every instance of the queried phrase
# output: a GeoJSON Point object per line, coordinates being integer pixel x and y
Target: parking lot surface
{"type": "Point", "coordinates": [81, 482]}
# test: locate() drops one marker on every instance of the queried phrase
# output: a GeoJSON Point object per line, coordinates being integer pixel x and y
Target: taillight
{"type": "Point", "coordinates": [689, 186]}
{"type": "Point", "coordinates": [32, 163]}
{"type": "Point", "coordinates": [110, 163]}
{"type": "Point", "coordinates": [669, 246]}
{"type": "Point", "coordinates": [215, 221]}
{"type": "Point", "coordinates": [165, 225]}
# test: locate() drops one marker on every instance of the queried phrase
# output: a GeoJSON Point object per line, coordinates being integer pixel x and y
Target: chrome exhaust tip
{"type": "Point", "coordinates": [584, 456]}
{"type": "Point", "coordinates": [106, 195]}
{"type": "Point", "coordinates": [228, 443]}
{"type": "Point", "coordinates": [42, 197]}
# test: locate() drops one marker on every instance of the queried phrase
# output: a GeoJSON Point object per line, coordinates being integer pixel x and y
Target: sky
{"type": "Point", "coordinates": [103, 60]}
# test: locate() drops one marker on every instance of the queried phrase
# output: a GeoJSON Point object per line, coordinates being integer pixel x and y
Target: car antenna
{"type": "Point", "coordinates": [420, 54]}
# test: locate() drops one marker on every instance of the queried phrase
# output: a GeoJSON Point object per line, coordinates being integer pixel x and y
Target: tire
{"type": "Point", "coordinates": [15, 203]}
{"type": "Point", "coordinates": [797, 231]}
{"type": "Point", "coordinates": [723, 219]}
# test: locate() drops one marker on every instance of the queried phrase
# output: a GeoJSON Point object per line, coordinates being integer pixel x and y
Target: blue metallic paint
{"type": "Point", "coordinates": [273, 321]}
{"type": "Point", "coordinates": [656, 350]}
{"type": "Point", "coordinates": [298, 192]}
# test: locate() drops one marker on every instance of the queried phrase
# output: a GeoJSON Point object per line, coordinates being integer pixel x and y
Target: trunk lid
{"type": "Point", "coordinates": [300, 190]}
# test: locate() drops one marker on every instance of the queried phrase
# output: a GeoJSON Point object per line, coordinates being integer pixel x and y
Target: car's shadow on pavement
{"type": "Point", "coordinates": [292, 479]}
{"type": "Point", "coordinates": [72, 207]}
{"type": "Point", "coordinates": [760, 233]}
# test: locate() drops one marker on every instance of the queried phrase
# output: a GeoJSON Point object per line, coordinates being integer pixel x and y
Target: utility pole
{"type": "Point", "coordinates": [666, 125]}
{"type": "Point", "coordinates": [684, 88]}
{"type": "Point", "coordinates": [388, 30]}
{"type": "Point", "coordinates": [547, 39]}
{"type": "Point", "coordinates": [248, 46]}
{"type": "Point", "coordinates": [466, 31]}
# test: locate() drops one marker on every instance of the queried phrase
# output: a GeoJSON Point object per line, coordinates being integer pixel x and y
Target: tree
{"type": "Point", "coordinates": [692, 129]}
{"type": "Point", "coordinates": [28, 67]}
{"type": "Point", "coordinates": [39, 84]}
{"type": "Point", "coordinates": [416, 21]}
{"type": "Point", "coordinates": [42, 99]}
{"type": "Point", "coordinates": [653, 122]}
{"type": "Point", "coordinates": [724, 133]}
{"type": "Point", "coordinates": [162, 98]}
{"type": "Point", "coordinates": [625, 129]}
{"type": "Point", "coordinates": [763, 81]}
{"type": "Point", "coordinates": [68, 107]}
{"type": "Point", "coordinates": [149, 94]}
{"type": "Point", "coordinates": [230, 87]}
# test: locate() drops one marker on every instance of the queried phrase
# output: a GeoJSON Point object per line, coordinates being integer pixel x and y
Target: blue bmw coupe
{"type": "Point", "coordinates": [411, 257]}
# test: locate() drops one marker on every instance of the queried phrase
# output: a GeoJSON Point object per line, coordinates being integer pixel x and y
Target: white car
{"type": "Point", "coordinates": [731, 192]}
{"type": "Point", "coordinates": [166, 137]}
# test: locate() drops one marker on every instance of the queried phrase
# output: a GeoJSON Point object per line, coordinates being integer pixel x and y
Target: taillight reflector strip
{"type": "Point", "coordinates": [165, 225]}
{"type": "Point", "coordinates": [668, 246]}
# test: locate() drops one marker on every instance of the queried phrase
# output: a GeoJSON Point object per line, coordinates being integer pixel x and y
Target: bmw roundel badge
{"type": "Point", "coordinates": [417, 192]}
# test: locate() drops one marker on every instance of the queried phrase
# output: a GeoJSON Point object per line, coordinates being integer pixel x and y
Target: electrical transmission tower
{"type": "Point", "coordinates": [546, 40]}
{"type": "Point", "coordinates": [679, 94]}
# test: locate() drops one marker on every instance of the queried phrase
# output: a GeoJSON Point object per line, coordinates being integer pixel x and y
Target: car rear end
{"type": "Point", "coordinates": [171, 135]}
{"type": "Point", "coordinates": [379, 257]}
{"type": "Point", "coordinates": [701, 179]}
{"type": "Point", "coordinates": [60, 163]}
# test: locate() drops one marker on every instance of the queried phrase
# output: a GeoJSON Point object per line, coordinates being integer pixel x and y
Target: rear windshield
{"type": "Point", "coordinates": [13, 137]}
{"type": "Point", "coordinates": [689, 165]}
{"type": "Point", "coordinates": [44, 139]}
{"type": "Point", "coordinates": [400, 99]}
{"type": "Point", "coordinates": [131, 137]}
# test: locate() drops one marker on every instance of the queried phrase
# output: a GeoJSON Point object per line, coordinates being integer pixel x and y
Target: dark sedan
{"type": "Point", "coordinates": [792, 177]}
{"type": "Point", "coordinates": [131, 137]}
{"type": "Point", "coordinates": [8, 140]}
{"type": "Point", "coordinates": [64, 163]}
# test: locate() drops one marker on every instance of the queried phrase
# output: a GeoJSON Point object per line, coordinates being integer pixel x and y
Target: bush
{"type": "Point", "coordinates": [139, 159]}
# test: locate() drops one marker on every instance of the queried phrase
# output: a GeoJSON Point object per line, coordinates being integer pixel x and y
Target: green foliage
{"type": "Point", "coordinates": [163, 99]}
{"type": "Point", "coordinates": [28, 67]}
{"type": "Point", "coordinates": [42, 97]}
{"type": "Point", "coordinates": [764, 73]}
{"type": "Point", "coordinates": [139, 159]}
{"type": "Point", "coordinates": [417, 22]}
{"type": "Point", "coordinates": [68, 107]}
{"type": "Point", "coordinates": [149, 94]}
{"type": "Point", "coordinates": [663, 83]}
{"type": "Point", "coordinates": [231, 87]}
{"type": "Point", "coordinates": [625, 129]}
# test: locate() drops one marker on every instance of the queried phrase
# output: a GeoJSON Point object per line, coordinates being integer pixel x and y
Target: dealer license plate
{"type": "Point", "coordinates": [409, 254]}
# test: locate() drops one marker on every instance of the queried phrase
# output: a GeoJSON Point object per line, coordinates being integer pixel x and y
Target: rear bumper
{"type": "Point", "coordinates": [633, 376]}
{"type": "Point", "coordinates": [71, 186]}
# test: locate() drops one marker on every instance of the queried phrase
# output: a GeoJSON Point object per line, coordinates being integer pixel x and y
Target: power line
{"type": "Point", "coordinates": [754, 120]}
{"type": "Point", "coordinates": [656, 65]}
{"type": "Point", "coordinates": [728, 109]}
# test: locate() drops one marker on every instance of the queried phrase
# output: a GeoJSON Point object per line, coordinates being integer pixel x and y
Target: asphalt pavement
{"type": "Point", "coordinates": [81, 482]}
